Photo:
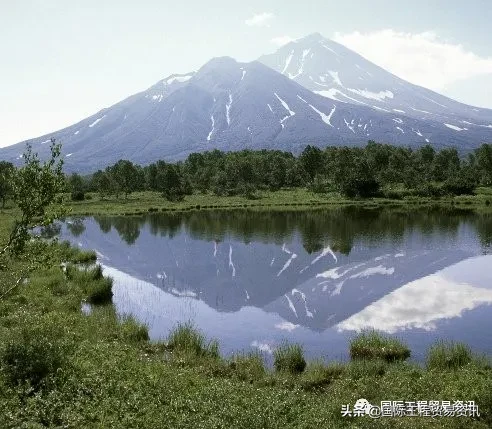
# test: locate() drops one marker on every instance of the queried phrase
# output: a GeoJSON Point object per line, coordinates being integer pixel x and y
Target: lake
{"type": "Point", "coordinates": [252, 279]}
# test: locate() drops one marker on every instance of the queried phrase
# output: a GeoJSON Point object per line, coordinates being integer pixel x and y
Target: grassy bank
{"type": "Point", "coordinates": [61, 367]}
{"type": "Point", "coordinates": [143, 202]}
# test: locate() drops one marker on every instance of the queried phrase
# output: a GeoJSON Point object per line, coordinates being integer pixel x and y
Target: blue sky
{"type": "Point", "coordinates": [63, 60]}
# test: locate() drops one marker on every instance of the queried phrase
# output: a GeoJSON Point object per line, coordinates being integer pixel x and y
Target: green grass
{"type": "Point", "coordinates": [185, 338]}
{"type": "Point", "coordinates": [96, 288]}
{"type": "Point", "coordinates": [144, 202]}
{"type": "Point", "coordinates": [374, 345]}
{"type": "Point", "coordinates": [319, 375]}
{"type": "Point", "coordinates": [449, 356]}
{"type": "Point", "coordinates": [289, 358]}
{"type": "Point", "coordinates": [248, 366]}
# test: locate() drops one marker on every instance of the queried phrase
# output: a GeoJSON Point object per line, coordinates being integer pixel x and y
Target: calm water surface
{"type": "Point", "coordinates": [254, 279]}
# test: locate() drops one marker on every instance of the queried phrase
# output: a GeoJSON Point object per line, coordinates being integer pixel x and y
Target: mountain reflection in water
{"type": "Point", "coordinates": [252, 278]}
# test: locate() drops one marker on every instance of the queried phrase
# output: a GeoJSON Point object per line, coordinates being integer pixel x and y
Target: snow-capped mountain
{"type": "Point", "coordinates": [333, 71]}
{"type": "Point", "coordinates": [231, 106]}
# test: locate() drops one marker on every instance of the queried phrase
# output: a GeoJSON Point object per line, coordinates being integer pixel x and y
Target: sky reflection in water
{"type": "Point", "coordinates": [252, 279]}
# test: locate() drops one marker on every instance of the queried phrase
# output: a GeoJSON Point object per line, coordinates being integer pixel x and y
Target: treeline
{"type": "Point", "coordinates": [374, 170]}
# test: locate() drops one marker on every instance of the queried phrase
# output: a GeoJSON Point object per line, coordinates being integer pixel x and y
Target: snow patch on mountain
{"type": "Point", "coordinates": [455, 128]}
{"type": "Point", "coordinates": [378, 96]}
{"type": "Point", "coordinates": [178, 79]}
{"type": "Point", "coordinates": [286, 107]}
{"type": "Point", "coordinates": [381, 108]}
{"type": "Point", "coordinates": [213, 128]}
{"type": "Point", "coordinates": [301, 67]}
{"type": "Point", "coordinates": [325, 118]}
{"type": "Point", "coordinates": [97, 121]}
{"type": "Point", "coordinates": [287, 62]}
{"type": "Point", "coordinates": [228, 108]}
{"type": "Point", "coordinates": [336, 77]}
{"type": "Point", "coordinates": [350, 127]}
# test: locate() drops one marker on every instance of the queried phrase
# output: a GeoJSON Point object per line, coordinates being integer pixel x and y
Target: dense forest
{"type": "Point", "coordinates": [374, 170]}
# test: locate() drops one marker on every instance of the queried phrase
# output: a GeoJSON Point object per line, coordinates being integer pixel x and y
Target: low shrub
{"type": "Point", "coordinates": [96, 288]}
{"type": "Point", "coordinates": [58, 285]}
{"type": "Point", "coordinates": [459, 186]}
{"type": "Point", "coordinates": [32, 356]}
{"type": "Point", "coordinates": [77, 196]}
{"type": "Point", "coordinates": [289, 358]}
{"type": "Point", "coordinates": [448, 355]}
{"type": "Point", "coordinates": [374, 345]}
{"type": "Point", "coordinates": [83, 257]}
{"type": "Point", "coordinates": [134, 331]}
{"type": "Point", "coordinates": [186, 338]}
{"type": "Point", "coordinates": [99, 292]}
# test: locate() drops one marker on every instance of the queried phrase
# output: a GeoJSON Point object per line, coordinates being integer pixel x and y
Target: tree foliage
{"type": "Point", "coordinates": [355, 172]}
{"type": "Point", "coordinates": [6, 174]}
{"type": "Point", "coordinates": [37, 191]}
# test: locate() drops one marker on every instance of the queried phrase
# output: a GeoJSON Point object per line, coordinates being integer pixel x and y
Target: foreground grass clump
{"type": "Point", "coordinates": [448, 355]}
{"type": "Point", "coordinates": [96, 287]}
{"type": "Point", "coordinates": [289, 358]}
{"type": "Point", "coordinates": [374, 345]}
{"type": "Point", "coordinates": [187, 339]}
{"type": "Point", "coordinates": [134, 331]}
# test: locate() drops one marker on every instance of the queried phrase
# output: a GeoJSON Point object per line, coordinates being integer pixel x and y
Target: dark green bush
{"type": "Point", "coordinates": [360, 187]}
{"type": "Point", "coordinates": [77, 196]}
{"type": "Point", "coordinates": [31, 357]}
{"type": "Point", "coordinates": [459, 186]}
{"type": "Point", "coordinates": [99, 292]}
{"type": "Point", "coordinates": [289, 358]}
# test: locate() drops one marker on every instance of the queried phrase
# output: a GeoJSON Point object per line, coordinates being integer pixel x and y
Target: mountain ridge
{"type": "Point", "coordinates": [231, 105]}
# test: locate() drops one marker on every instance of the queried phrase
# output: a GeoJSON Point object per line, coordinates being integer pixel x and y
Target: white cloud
{"type": "Point", "coordinates": [263, 347]}
{"type": "Point", "coordinates": [422, 58]}
{"type": "Point", "coordinates": [286, 326]}
{"type": "Point", "coordinates": [260, 19]}
{"type": "Point", "coordinates": [281, 40]}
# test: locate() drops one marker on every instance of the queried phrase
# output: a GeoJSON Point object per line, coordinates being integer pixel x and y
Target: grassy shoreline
{"type": "Point", "coordinates": [99, 370]}
{"type": "Point", "coordinates": [143, 202]}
